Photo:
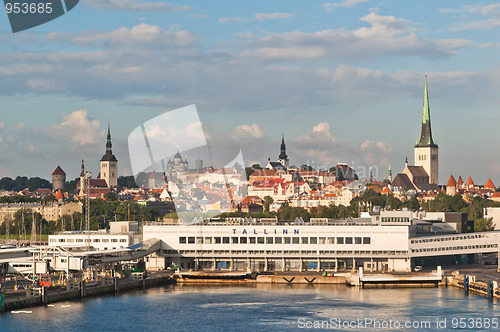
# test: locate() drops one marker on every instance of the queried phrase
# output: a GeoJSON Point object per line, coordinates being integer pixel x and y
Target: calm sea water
{"type": "Point", "coordinates": [259, 308]}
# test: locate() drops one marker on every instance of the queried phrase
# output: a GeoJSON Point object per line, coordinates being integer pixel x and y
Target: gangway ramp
{"type": "Point", "coordinates": [135, 252]}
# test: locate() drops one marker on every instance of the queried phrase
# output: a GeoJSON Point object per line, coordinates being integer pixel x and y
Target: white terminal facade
{"type": "Point", "coordinates": [281, 247]}
{"type": "Point", "coordinates": [379, 241]}
{"type": "Point", "coordinates": [122, 234]}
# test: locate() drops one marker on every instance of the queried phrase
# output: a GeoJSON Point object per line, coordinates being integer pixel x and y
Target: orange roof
{"type": "Point", "coordinates": [460, 181]}
{"type": "Point", "coordinates": [451, 182]}
{"type": "Point", "coordinates": [495, 195]}
{"type": "Point", "coordinates": [489, 185]}
{"type": "Point", "coordinates": [59, 194]}
{"type": "Point", "coordinates": [386, 190]}
{"type": "Point", "coordinates": [470, 182]}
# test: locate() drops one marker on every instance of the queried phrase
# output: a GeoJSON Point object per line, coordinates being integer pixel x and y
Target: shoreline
{"type": "Point", "coordinates": [82, 290]}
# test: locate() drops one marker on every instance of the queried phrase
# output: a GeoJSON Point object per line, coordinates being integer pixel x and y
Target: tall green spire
{"type": "Point", "coordinates": [426, 134]}
{"type": "Point", "coordinates": [426, 117]}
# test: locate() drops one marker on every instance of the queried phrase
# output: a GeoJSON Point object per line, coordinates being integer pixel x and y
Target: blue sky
{"type": "Point", "coordinates": [342, 80]}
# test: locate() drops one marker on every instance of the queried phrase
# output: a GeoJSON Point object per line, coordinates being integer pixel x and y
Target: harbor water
{"type": "Point", "coordinates": [264, 308]}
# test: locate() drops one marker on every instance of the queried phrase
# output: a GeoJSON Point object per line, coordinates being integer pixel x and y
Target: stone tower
{"type": "Point", "coordinates": [58, 179]}
{"type": "Point", "coordinates": [426, 151]}
{"type": "Point", "coordinates": [109, 164]}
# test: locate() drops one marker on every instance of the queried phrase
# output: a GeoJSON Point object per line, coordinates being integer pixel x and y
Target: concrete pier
{"type": "Point", "coordinates": [85, 289]}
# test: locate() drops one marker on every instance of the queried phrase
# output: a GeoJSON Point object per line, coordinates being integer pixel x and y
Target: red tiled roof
{"type": "Point", "coordinates": [58, 171]}
{"type": "Point", "coordinates": [489, 185]}
{"type": "Point", "coordinates": [252, 200]}
{"type": "Point", "coordinates": [386, 190]}
{"type": "Point", "coordinates": [470, 182]}
{"type": "Point", "coordinates": [43, 191]}
{"type": "Point", "coordinates": [451, 182]}
{"type": "Point", "coordinates": [460, 181]}
{"type": "Point", "coordinates": [59, 194]}
{"type": "Point", "coordinates": [495, 195]}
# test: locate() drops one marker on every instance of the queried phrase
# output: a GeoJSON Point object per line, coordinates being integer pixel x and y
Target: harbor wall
{"type": "Point", "coordinates": [469, 284]}
{"type": "Point", "coordinates": [84, 290]}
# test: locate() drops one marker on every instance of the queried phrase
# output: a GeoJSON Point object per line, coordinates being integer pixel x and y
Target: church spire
{"type": "Point", "coordinates": [283, 158]}
{"type": "Point", "coordinates": [109, 156]}
{"type": "Point", "coordinates": [283, 148]}
{"type": "Point", "coordinates": [82, 173]}
{"type": "Point", "coordinates": [426, 133]}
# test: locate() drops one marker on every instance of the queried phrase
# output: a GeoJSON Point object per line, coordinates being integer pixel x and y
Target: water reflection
{"type": "Point", "coordinates": [245, 307]}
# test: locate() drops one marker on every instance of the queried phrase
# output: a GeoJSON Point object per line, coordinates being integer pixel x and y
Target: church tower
{"type": "Point", "coordinates": [426, 151]}
{"type": "Point", "coordinates": [109, 165]}
{"type": "Point", "coordinates": [283, 158]}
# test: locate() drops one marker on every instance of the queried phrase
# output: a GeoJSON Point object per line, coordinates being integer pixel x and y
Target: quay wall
{"type": "Point", "coordinates": [270, 279]}
{"type": "Point", "coordinates": [469, 284]}
{"type": "Point", "coordinates": [84, 290]}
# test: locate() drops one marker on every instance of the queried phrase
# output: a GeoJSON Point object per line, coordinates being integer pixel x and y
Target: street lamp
{"type": "Point", "coordinates": [88, 175]}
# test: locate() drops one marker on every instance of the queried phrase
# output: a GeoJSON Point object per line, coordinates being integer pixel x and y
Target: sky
{"type": "Point", "coordinates": [343, 81]}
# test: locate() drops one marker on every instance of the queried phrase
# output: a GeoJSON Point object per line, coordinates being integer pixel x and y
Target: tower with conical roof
{"type": "Point", "coordinates": [283, 158]}
{"type": "Point", "coordinates": [109, 164]}
{"type": "Point", "coordinates": [426, 150]}
{"type": "Point", "coordinates": [58, 179]}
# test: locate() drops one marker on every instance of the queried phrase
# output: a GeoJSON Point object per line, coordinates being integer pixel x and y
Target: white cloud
{"type": "Point", "coordinates": [373, 152]}
{"type": "Point", "coordinates": [136, 6]}
{"type": "Point", "coordinates": [385, 36]}
{"type": "Point", "coordinates": [330, 7]}
{"type": "Point", "coordinates": [142, 34]}
{"type": "Point", "coordinates": [490, 17]}
{"type": "Point", "coordinates": [271, 16]}
{"type": "Point", "coordinates": [321, 149]}
{"type": "Point", "coordinates": [252, 131]}
{"type": "Point", "coordinates": [78, 128]}
{"type": "Point", "coordinates": [232, 19]}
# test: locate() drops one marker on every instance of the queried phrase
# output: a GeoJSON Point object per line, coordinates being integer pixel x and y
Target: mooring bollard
{"type": "Point", "coordinates": [44, 294]}
{"type": "Point", "coordinates": [116, 284]}
{"type": "Point", "coordinates": [83, 288]}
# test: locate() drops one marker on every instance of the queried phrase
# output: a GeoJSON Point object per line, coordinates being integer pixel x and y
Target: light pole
{"type": "Point", "coordinates": [88, 174]}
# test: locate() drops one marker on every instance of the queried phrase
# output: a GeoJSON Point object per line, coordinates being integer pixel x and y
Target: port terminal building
{"type": "Point", "coordinates": [380, 241]}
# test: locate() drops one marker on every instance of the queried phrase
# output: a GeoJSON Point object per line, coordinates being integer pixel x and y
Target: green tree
{"type": "Point", "coordinates": [127, 181]}
{"type": "Point", "coordinates": [307, 168]}
{"type": "Point", "coordinates": [111, 196]}
{"type": "Point", "coordinates": [483, 225]}
{"type": "Point", "coordinates": [268, 200]}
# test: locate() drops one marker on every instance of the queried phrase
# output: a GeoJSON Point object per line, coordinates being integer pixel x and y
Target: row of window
{"type": "Point", "coordinates": [287, 252]}
{"type": "Point", "coordinates": [273, 240]}
{"type": "Point", "coordinates": [478, 246]}
{"type": "Point", "coordinates": [455, 237]}
{"type": "Point", "coordinates": [395, 219]}
{"type": "Point", "coordinates": [87, 240]}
